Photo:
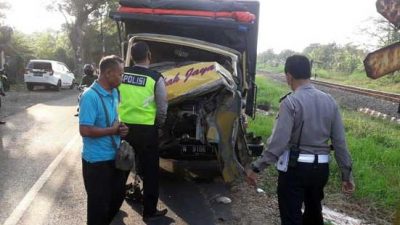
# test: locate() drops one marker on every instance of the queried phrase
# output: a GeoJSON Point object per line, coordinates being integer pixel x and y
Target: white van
{"type": "Point", "coordinates": [48, 73]}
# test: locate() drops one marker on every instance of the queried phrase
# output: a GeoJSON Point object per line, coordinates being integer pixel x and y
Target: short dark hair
{"type": "Point", "coordinates": [139, 51]}
{"type": "Point", "coordinates": [298, 66]}
{"type": "Point", "coordinates": [110, 61]}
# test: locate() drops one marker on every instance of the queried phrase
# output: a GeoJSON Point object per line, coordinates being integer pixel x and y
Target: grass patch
{"type": "Point", "coordinates": [270, 91]}
{"type": "Point", "coordinates": [374, 145]}
{"type": "Point", "coordinates": [269, 68]}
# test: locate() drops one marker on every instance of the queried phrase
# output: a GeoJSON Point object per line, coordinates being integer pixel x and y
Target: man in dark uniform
{"type": "Point", "coordinates": [143, 108]}
{"type": "Point", "coordinates": [299, 145]}
{"type": "Point", "coordinates": [89, 76]}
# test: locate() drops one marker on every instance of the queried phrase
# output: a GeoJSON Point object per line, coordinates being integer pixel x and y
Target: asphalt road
{"type": "Point", "coordinates": [40, 170]}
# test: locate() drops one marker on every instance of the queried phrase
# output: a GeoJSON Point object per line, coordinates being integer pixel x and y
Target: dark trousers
{"type": "Point", "coordinates": [302, 184]}
{"type": "Point", "coordinates": [105, 188]}
{"type": "Point", "coordinates": [144, 139]}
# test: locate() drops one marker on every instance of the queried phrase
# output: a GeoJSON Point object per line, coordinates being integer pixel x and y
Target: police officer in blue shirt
{"type": "Point", "coordinates": [299, 145]}
{"type": "Point", "coordinates": [104, 184]}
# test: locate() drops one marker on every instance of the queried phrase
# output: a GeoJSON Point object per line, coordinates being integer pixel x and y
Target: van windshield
{"type": "Point", "coordinates": [40, 66]}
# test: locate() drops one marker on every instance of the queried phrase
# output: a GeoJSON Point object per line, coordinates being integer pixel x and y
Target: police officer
{"type": "Point", "coordinates": [143, 108]}
{"type": "Point", "coordinates": [89, 76]}
{"type": "Point", "coordinates": [299, 144]}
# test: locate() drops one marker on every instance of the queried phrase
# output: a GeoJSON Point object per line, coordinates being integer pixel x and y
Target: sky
{"type": "Point", "coordinates": [284, 24]}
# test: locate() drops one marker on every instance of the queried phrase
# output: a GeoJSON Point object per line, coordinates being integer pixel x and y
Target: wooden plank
{"type": "Point", "coordinates": [383, 61]}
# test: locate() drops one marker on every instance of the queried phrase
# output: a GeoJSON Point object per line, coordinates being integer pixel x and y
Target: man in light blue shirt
{"type": "Point", "coordinates": [101, 148]}
{"type": "Point", "coordinates": [101, 131]}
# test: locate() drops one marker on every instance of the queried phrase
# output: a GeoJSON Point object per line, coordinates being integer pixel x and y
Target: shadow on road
{"type": "Point", "coordinates": [20, 165]}
{"type": "Point", "coordinates": [137, 207]}
{"type": "Point", "coordinates": [17, 101]}
{"type": "Point", "coordinates": [191, 199]}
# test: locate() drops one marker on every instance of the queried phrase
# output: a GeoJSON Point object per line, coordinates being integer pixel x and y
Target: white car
{"type": "Point", "coordinates": [48, 73]}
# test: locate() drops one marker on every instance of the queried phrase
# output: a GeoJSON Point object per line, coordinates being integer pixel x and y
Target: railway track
{"type": "Point", "coordinates": [392, 97]}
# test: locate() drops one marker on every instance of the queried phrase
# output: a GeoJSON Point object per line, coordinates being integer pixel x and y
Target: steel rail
{"type": "Point", "coordinates": [392, 97]}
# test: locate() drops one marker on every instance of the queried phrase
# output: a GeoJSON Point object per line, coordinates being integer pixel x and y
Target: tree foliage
{"type": "Point", "coordinates": [382, 31]}
{"type": "Point", "coordinates": [346, 59]}
{"type": "Point", "coordinates": [78, 15]}
{"type": "Point", "coordinates": [269, 57]}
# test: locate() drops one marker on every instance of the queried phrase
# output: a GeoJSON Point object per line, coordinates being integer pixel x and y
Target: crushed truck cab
{"type": "Point", "coordinates": [208, 63]}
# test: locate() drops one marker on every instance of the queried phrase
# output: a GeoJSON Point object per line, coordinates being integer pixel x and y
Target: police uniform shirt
{"type": "Point", "coordinates": [322, 122]}
{"type": "Point", "coordinates": [135, 77]}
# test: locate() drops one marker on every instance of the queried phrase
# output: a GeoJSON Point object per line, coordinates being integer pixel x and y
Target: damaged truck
{"type": "Point", "coordinates": [206, 50]}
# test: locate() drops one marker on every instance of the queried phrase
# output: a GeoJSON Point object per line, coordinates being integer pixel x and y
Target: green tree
{"type": "Point", "coordinates": [101, 38]}
{"type": "Point", "coordinates": [77, 14]}
{"type": "Point", "coordinates": [44, 44]}
{"type": "Point", "coordinates": [348, 59]}
{"type": "Point", "coordinates": [313, 51]}
{"type": "Point", "coordinates": [284, 54]}
{"type": "Point", "coordinates": [382, 31]}
{"type": "Point", "coordinates": [268, 57]}
{"type": "Point", "coordinates": [21, 51]}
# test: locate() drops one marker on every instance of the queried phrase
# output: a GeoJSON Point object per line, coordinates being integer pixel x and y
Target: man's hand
{"type": "Point", "coordinates": [115, 128]}
{"type": "Point", "coordinates": [348, 187]}
{"type": "Point", "coordinates": [251, 177]}
{"type": "Point", "coordinates": [123, 130]}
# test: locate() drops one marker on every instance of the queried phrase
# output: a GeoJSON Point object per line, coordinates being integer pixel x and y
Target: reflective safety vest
{"type": "Point", "coordinates": [137, 104]}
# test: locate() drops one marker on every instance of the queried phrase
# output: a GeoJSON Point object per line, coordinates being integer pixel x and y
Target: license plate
{"type": "Point", "coordinates": [37, 74]}
{"type": "Point", "coordinates": [193, 149]}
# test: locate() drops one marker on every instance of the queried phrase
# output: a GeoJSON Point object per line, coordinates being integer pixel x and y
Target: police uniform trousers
{"type": "Point", "coordinates": [302, 184]}
{"type": "Point", "coordinates": [144, 139]}
{"type": "Point", "coordinates": [105, 188]}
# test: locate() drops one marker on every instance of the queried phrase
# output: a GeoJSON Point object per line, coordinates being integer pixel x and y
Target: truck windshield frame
{"type": "Point", "coordinates": [187, 42]}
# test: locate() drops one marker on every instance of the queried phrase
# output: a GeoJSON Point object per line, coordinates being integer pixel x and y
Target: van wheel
{"type": "Point", "coordinates": [58, 87]}
{"type": "Point", "coordinates": [72, 85]}
{"type": "Point", "coordinates": [29, 87]}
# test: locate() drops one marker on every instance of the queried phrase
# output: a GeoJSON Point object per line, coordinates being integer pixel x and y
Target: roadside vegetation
{"type": "Point", "coordinates": [86, 35]}
{"type": "Point", "coordinates": [374, 145]}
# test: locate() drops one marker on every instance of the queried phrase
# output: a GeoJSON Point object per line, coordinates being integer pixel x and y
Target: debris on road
{"type": "Point", "coordinates": [224, 200]}
{"type": "Point", "coordinates": [261, 191]}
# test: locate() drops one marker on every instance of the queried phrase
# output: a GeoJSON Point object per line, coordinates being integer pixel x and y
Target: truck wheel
{"type": "Point", "coordinates": [29, 87]}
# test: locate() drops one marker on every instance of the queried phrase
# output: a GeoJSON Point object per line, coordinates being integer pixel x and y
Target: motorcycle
{"type": "Point", "coordinates": [81, 89]}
